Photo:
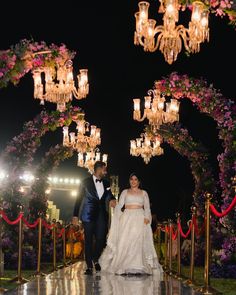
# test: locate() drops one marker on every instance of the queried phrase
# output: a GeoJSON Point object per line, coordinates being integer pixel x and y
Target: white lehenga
{"type": "Point", "coordinates": [130, 247]}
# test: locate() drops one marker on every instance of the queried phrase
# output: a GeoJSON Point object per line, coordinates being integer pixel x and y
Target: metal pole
{"type": "Point", "coordinates": [170, 247]}
{"type": "Point", "coordinates": [207, 289]}
{"type": "Point", "coordinates": [159, 241]}
{"type": "Point", "coordinates": [19, 279]}
{"type": "Point", "coordinates": [165, 247]}
{"type": "Point", "coordinates": [178, 248]}
{"type": "Point", "coordinates": [54, 248]}
{"type": "Point", "coordinates": [190, 281]}
{"type": "Point", "coordinates": [39, 247]}
{"type": "Point", "coordinates": [64, 245]}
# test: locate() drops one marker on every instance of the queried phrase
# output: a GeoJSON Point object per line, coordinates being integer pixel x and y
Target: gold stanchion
{"type": "Point", "coordinates": [178, 275]}
{"type": "Point", "coordinates": [170, 247]}
{"type": "Point", "coordinates": [1, 255]}
{"type": "Point", "coordinates": [54, 248]}
{"type": "Point", "coordinates": [38, 272]}
{"type": "Point", "coordinates": [159, 241]}
{"type": "Point", "coordinates": [190, 281]}
{"type": "Point", "coordinates": [165, 248]}
{"type": "Point", "coordinates": [207, 289]}
{"type": "Point", "coordinates": [64, 246]}
{"type": "Point", "coordinates": [19, 279]}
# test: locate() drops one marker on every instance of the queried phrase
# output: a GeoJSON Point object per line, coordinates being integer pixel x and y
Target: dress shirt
{"type": "Point", "coordinates": [99, 187]}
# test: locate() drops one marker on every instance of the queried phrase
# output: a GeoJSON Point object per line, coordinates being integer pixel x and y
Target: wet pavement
{"type": "Point", "coordinates": [72, 281]}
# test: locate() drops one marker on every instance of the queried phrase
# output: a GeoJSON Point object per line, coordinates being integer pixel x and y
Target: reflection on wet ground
{"type": "Point", "coordinates": [72, 281]}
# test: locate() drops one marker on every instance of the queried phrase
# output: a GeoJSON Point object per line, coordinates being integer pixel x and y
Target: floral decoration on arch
{"type": "Point", "coordinates": [19, 152]}
{"type": "Point", "coordinates": [179, 138]}
{"type": "Point", "coordinates": [211, 102]}
{"type": "Point", "coordinates": [21, 58]}
{"type": "Point", "coordinates": [220, 8]}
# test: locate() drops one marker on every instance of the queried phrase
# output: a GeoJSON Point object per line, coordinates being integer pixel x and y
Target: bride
{"type": "Point", "coordinates": [130, 248]}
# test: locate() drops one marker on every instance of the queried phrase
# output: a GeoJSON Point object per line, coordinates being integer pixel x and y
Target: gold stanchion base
{"type": "Point", "coordinates": [19, 280]}
{"type": "Point", "coordinates": [208, 291]}
{"type": "Point", "coordinates": [189, 283]}
{"type": "Point", "coordinates": [39, 274]}
{"type": "Point", "coordinates": [178, 277]}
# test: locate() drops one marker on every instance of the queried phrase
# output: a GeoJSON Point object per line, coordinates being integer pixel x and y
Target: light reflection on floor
{"type": "Point", "coordinates": [71, 281]}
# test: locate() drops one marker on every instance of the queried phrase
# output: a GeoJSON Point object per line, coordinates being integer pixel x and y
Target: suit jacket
{"type": "Point", "coordinates": [88, 205]}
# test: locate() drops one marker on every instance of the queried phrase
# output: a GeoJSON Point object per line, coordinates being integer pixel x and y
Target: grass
{"type": "Point", "coordinates": [225, 286]}
{"type": "Point", "coordinates": [6, 283]}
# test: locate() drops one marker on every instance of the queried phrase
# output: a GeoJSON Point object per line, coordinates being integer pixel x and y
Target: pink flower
{"type": "Point", "coordinates": [214, 3]}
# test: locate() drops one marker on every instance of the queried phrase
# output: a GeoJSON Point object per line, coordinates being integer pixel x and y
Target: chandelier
{"type": "Point", "coordinates": [156, 109]}
{"type": "Point", "coordinates": [81, 142]}
{"type": "Point", "coordinates": [88, 159]}
{"type": "Point", "coordinates": [58, 86]}
{"type": "Point", "coordinates": [169, 36]}
{"type": "Point", "coordinates": [146, 147]}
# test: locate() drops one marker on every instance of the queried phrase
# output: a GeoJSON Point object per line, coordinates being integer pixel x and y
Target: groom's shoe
{"type": "Point", "coordinates": [97, 266]}
{"type": "Point", "coordinates": [89, 271]}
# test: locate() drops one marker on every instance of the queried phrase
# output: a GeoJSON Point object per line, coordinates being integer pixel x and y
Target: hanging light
{"type": "Point", "coordinates": [146, 147]}
{"type": "Point", "coordinates": [88, 159]}
{"type": "Point", "coordinates": [156, 109]}
{"type": "Point", "coordinates": [82, 142]}
{"type": "Point", "coordinates": [168, 37]}
{"type": "Point", "coordinates": [58, 85]}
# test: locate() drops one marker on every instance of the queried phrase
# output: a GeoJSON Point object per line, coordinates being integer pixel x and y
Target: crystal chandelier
{"type": "Point", "coordinates": [88, 159]}
{"type": "Point", "coordinates": [146, 147]}
{"type": "Point", "coordinates": [58, 85]}
{"type": "Point", "coordinates": [156, 109]}
{"type": "Point", "coordinates": [169, 36]}
{"type": "Point", "coordinates": [81, 142]}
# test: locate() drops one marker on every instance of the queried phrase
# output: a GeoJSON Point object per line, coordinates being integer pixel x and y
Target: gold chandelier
{"type": "Point", "coordinates": [156, 109]}
{"type": "Point", "coordinates": [88, 159]}
{"type": "Point", "coordinates": [146, 147]}
{"type": "Point", "coordinates": [85, 142]}
{"type": "Point", "coordinates": [81, 142]}
{"type": "Point", "coordinates": [169, 36]}
{"type": "Point", "coordinates": [58, 85]}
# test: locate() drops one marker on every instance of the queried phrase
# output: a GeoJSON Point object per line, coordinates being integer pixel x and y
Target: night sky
{"type": "Point", "coordinates": [102, 35]}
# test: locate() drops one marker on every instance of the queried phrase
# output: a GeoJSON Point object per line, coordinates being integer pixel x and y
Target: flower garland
{"type": "Point", "coordinates": [211, 102]}
{"type": "Point", "coordinates": [184, 144]}
{"type": "Point", "coordinates": [220, 8]}
{"type": "Point", "coordinates": [52, 159]}
{"type": "Point", "coordinates": [22, 58]}
{"type": "Point", "coordinates": [20, 150]}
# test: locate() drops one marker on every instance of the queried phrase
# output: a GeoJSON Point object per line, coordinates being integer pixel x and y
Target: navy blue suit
{"type": "Point", "coordinates": [94, 214]}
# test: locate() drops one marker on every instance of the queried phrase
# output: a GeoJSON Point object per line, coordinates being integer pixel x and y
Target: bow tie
{"type": "Point", "coordinates": [98, 180]}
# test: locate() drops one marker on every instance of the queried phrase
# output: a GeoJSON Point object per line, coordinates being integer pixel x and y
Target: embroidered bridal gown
{"type": "Point", "coordinates": [130, 247]}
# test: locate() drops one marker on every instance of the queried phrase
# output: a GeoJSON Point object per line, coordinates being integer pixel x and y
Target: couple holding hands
{"type": "Point", "coordinates": [128, 248]}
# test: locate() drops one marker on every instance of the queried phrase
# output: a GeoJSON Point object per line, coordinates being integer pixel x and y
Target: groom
{"type": "Point", "coordinates": [92, 203]}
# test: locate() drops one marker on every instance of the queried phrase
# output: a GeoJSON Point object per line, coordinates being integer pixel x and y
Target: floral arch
{"type": "Point", "coordinates": [179, 139]}
{"type": "Point", "coordinates": [210, 101]}
{"type": "Point", "coordinates": [23, 57]}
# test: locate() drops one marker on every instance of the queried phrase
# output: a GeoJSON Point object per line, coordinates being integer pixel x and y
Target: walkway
{"type": "Point", "coordinates": [71, 281]}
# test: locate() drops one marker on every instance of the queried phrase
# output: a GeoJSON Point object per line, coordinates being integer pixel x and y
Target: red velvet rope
{"type": "Point", "coordinates": [163, 228]}
{"type": "Point", "coordinates": [181, 231]}
{"type": "Point", "coordinates": [61, 233]}
{"type": "Point", "coordinates": [4, 216]}
{"type": "Point", "coordinates": [31, 225]}
{"type": "Point", "coordinates": [226, 211]}
{"type": "Point", "coordinates": [47, 225]}
{"type": "Point", "coordinates": [174, 234]}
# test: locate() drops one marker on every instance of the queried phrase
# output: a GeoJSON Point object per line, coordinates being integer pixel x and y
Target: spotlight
{"type": "Point", "coordinates": [74, 193]}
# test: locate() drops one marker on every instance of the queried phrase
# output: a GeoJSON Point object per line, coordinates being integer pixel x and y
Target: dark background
{"type": "Point", "coordinates": [102, 35]}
